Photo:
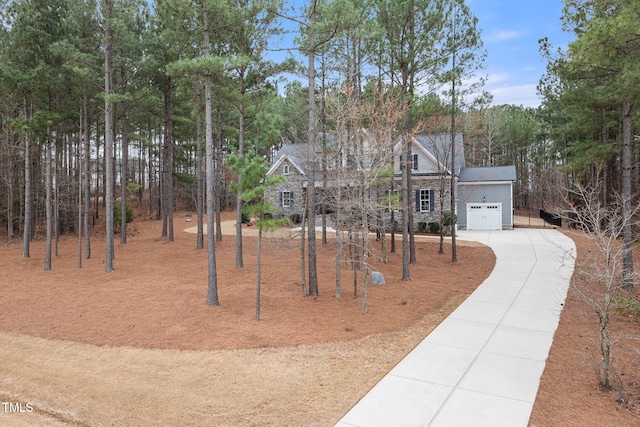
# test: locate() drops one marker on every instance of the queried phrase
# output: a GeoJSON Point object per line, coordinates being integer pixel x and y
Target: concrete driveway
{"type": "Point", "coordinates": [482, 365]}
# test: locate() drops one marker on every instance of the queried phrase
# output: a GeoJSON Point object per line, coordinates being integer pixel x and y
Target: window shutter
{"type": "Point", "coordinates": [291, 198]}
{"type": "Point", "coordinates": [417, 200]}
{"type": "Point", "coordinates": [281, 202]}
{"type": "Point", "coordinates": [431, 201]}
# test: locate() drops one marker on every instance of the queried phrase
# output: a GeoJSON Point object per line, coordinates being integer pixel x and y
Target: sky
{"type": "Point", "coordinates": [510, 30]}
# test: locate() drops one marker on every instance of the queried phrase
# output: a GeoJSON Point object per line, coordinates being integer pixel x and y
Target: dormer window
{"type": "Point", "coordinates": [285, 170]}
{"type": "Point", "coordinates": [414, 162]}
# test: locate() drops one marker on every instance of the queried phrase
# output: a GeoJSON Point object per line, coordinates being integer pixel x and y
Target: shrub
{"type": "Point", "coordinates": [295, 218]}
{"type": "Point", "coordinates": [434, 227]}
{"type": "Point", "coordinates": [446, 218]}
{"type": "Point", "coordinates": [117, 214]}
{"type": "Point", "coordinates": [422, 226]}
{"type": "Point", "coordinates": [627, 307]}
{"type": "Point", "coordinates": [245, 218]}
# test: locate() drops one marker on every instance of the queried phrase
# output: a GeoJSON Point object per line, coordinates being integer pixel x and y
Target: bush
{"type": "Point", "coordinates": [117, 214]}
{"type": "Point", "coordinates": [434, 227]}
{"type": "Point", "coordinates": [446, 218]}
{"type": "Point", "coordinates": [627, 307]}
{"type": "Point", "coordinates": [422, 226]}
{"type": "Point", "coordinates": [245, 218]}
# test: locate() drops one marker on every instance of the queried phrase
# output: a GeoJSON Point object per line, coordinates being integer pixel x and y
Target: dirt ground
{"type": "Point", "coordinates": [569, 394]}
{"type": "Point", "coordinates": [139, 346]}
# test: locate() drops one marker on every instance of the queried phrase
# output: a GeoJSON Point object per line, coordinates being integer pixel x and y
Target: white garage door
{"type": "Point", "coordinates": [484, 216]}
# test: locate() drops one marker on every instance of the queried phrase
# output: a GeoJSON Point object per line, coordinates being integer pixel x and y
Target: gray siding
{"type": "Point", "coordinates": [494, 193]}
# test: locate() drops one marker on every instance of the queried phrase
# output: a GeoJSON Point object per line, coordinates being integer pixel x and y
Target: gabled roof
{"type": "Point", "coordinates": [296, 154]}
{"type": "Point", "coordinates": [439, 146]}
{"type": "Point", "coordinates": [494, 173]}
{"type": "Point", "coordinates": [436, 146]}
{"type": "Point", "coordinates": [281, 159]}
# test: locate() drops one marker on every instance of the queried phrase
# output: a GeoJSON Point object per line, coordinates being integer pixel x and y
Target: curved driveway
{"type": "Point", "coordinates": [482, 365]}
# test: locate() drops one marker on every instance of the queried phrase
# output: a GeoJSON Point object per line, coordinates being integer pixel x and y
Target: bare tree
{"type": "Point", "coordinates": [601, 277]}
{"type": "Point", "coordinates": [365, 170]}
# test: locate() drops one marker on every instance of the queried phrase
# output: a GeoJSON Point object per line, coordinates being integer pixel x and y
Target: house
{"type": "Point", "coordinates": [430, 174]}
{"type": "Point", "coordinates": [430, 180]}
{"type": "Point", "coordinates": [289, 196]}
{"type": "Point", "coordinates": [485, 198]}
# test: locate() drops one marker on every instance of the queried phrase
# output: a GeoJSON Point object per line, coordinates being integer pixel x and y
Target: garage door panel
{"type": "Point", "coordinates": [484, 216]}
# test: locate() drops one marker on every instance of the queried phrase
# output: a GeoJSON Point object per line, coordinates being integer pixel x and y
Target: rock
{"type": "Point", "coordinates": [377, 278]}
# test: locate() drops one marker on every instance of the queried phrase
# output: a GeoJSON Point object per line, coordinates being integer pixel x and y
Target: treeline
{"type": "Point", "coordinates": [115, 100]}
{"type": "Point", "coordinates": [591, 94]}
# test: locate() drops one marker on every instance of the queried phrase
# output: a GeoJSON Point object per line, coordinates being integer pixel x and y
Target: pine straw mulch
{"type": "Point", "coordinates": [139, 346]}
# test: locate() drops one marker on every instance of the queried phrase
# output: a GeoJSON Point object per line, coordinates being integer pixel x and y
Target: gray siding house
{"type": "Point", "coordinates": [477, 190]}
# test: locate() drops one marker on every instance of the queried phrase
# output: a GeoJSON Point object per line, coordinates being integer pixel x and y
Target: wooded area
{"type": "Point", "coordinates": [103, 105]}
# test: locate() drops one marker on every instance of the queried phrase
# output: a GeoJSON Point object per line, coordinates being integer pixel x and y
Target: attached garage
{"type": "Point", "coordinates": [484, 216]}
{"type": "Point", "coordinates": [485, 198]}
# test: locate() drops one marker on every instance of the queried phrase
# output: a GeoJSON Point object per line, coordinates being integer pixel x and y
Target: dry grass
{"type": "Point", "coordinates": [308, 385]}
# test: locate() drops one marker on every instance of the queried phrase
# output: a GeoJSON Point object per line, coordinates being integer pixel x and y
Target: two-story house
{"type": "Point", "coordinates": [431, 177]}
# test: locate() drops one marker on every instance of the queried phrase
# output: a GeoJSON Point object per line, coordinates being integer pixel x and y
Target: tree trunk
{"type": "Point", "coordinates": [406, 205]}
{"type": "Point", "coordinates": [218, 174]}
{"type": "Point", "coordinates": [87, 177]}
{"type": "Point", "coordinates": [49, 202]}
{"type": "Point", "coordinates": [199, 180]}
{"type": "Point", "coordinates": [151, 173]}
{"type": "Point", "coordinates": [80, 171]}
{"type": "Point", "coordinates": [627, 232]}
{"type": "Point", "coordinates": [212, 289]}
{"type": "Point", "coordinates": [28, 196]}
{"type": "Point", "coordinates": [239, 261]}
{"type": "Point", "coordinates": [311, 140]}
{"type": "Point", "coordinates": [10, 178]}
{"type": "Point", "coordinates": [454, 249]}
{"type": "Point", "coordinates": [303, 271]}
{"type": "Point", "coordinates": [258, 274]}
{"type": "Point", "coordinates": [108, 143]}
{"type": "Point", "coordinates": [56, 203]}
{"type": "Point", "coordinates": [124, 163]}
{"type": "Point", "coordinates": [365, 245]}
{"type": "Point", "coordinates": [339, 244]}
{"type": "Point", "coordinates": [167, 191]}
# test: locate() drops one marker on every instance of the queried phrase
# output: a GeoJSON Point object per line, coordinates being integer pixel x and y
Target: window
{"type": "Point", "coordinates": [286, 199]}
{"type": "Point", "coordinates": [424, 200]}
{"type": "Point", "coordinates": [414, 162]}
{"type": "Point", "coordinates": [285, 170]}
